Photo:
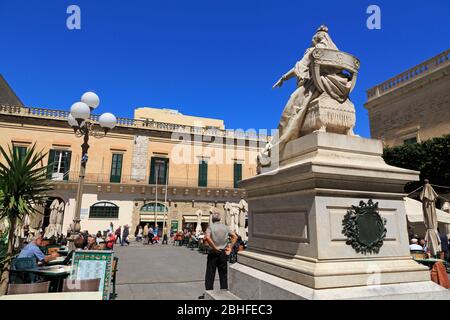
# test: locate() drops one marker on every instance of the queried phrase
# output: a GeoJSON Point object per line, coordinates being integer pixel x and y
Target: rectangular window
{"type": "Point", "coordinates": [116, 167]}
{"type": "Point", "coordinates": [203, 173]}
{"type": "Point", "coordinates": [159, 168]}
{"type": "Point", "coordinates": [21, 151]}
{"type": "Point", "coordinates": [237, 173]}
{"type": "Point", "coordinates": [59, 164]}
{"type": "Point", "coordinates": [410, 140]}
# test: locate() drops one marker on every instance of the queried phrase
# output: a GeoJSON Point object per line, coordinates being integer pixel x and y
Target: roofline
{"type": "Point", "coordinates": [12, 91]}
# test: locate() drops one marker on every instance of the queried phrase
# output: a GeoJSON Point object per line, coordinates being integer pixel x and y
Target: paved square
{"type": "Point", "coordinates": [151, 272]}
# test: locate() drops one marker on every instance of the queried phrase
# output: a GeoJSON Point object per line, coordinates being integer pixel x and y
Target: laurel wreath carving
{"type": "Point", "coordinates": [351, 228]}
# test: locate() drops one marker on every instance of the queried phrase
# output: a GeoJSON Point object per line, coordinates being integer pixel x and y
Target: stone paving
{"type": "Point", "coordinates": [151, 272]}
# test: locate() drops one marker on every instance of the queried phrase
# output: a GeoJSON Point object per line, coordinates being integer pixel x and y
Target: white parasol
{"type": "Point", "coordinates": [51, 231]}
{"type": "Point", "coordinates": [59, 218]}
{"type": "Point", "coordinates": [198, 229]}
{"type": "Point", "coordinates": [428, 197]}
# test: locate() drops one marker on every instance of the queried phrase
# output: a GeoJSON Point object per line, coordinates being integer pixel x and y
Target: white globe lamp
{"type": "Point", "coordinates": [72, 121]}
{"type": "Point", "coordinates": [80, 111]}
{"type": "Point", "coordinates": [91, 99]}
{"type": "Point", "coordinates": [107, 121]}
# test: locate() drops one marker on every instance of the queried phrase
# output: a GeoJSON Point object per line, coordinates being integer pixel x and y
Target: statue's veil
{"type": "Point", "coordinates": [325, 39]}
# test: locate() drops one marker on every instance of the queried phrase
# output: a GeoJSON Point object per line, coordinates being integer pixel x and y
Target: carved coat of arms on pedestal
{"type": "Point", "coordinates": [364, 228]}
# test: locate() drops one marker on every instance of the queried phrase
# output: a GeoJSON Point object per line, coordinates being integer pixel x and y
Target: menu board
{"type": "Point", "coordinates": [93, 264]}
{"type": "Point", "coordinates": [174, 226]}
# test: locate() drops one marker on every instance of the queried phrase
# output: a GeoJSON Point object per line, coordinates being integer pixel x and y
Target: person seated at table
{"type": "Point", "coordinates": [110, 240]}
{"type": "Point", "coordinates": [414, 246]}
{"type": "Point", "coordinates": [99, 238]}
{"type": "Point", "coordinates": [78, 242]}
{"type": "Point", "coordinates": [91, 243]}
{"type": "Point", "coordinates": [63, 241]}
{"type": "Point", "coordinates": [32, 250]}
{"type": "Point", "coordinates": [423, 244]}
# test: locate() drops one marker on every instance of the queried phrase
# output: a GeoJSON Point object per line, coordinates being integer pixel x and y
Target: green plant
{"type": "Point", "coordinates": [431, 158]}
{"type": "Point", "coordinates": [23, 186]}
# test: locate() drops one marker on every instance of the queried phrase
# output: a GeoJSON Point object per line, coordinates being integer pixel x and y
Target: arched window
{"type": "Point", "coordinates": [104, 209]}
{"type": "Point", "coordinates": [150, 207]}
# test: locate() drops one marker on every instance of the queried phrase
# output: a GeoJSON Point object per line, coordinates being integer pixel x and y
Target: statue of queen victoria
{"type": "Point", "coordinates": [325, 77]}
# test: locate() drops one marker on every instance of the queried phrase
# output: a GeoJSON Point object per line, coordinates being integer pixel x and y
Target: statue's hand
{"type": "Point", "coordinates": [278, 84]}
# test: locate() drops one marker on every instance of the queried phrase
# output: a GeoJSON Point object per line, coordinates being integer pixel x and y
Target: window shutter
{"type": "Point", "coordinates": [237, 174]}
{"type": "Point", "coordinates": [203, 174]}
{"type": "Point", "coordinates": [116, 168]}
{"type": "Point", "coordinates": [67, 165]}
{"type": "Point", "coordinates": [51, 159]}
{"type": "Point", "coordinates": [152, 171]}
{"type": "Point", "coordinates": [166, 171]}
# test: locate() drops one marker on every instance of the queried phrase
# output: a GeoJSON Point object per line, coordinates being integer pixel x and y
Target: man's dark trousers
{"type": "Point", "coordinates": [217, 261]}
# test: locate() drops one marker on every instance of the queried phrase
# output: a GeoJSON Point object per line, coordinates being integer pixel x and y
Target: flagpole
{"type": "Point", "coordinates": [165, 205]}
{"type": "Point", "coordinates": [156, 201]}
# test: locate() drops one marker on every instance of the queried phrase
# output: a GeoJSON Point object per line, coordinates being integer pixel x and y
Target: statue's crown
{"type": "Point", "coordinates": [323, 28]}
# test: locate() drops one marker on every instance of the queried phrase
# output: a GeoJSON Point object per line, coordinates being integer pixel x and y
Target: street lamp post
{"type": "Point", "coordinates": [80, 121]}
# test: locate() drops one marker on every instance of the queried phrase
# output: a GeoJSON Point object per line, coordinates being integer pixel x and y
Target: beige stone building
{"type": "Point", "coordinates": [161, 166]}
{"type": "Point", "coordinates": [413, 106]}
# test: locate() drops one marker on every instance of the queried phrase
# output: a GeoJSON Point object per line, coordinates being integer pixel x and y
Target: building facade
{"type": "Point", "coordinates": [413, 106]}
{"type": "Point", "coordinates": [159, 168]}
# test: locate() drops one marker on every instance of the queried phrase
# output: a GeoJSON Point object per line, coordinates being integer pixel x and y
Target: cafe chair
{"type": "Point", "coordinates": [114, 278]}
{"type": "Point", "coordinates": [73, 285]}
{"type": "Point", "coordinates": [19, 264]}
{"type": "Point", "coordinates": [418, 254]}
{"type": "Point", "coordinates": [39, 287]}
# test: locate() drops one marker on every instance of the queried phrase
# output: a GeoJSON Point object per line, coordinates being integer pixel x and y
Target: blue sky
{"type": "Point", "coordinates": [204, 57]}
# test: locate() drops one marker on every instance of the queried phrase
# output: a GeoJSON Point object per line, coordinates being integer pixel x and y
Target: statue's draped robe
{"type": "Point", "coordinates": [336, 84]}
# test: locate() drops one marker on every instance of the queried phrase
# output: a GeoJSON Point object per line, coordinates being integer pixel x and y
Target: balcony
{"type": "Point", "coordinates": [42, 113]}
{"type": "Point", "coordinates": [73, 177]}
{"type": "Point", "coordinates": [176, 188]}
{"type": "Point", "coordinates": [419, 71]}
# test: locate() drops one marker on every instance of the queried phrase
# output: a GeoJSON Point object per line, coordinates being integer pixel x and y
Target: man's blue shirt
{"type": "Point", "coordinates": [32, 250]}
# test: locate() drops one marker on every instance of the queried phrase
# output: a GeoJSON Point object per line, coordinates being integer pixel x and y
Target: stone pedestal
{"type": "Point", "coordinates": [296, 247]}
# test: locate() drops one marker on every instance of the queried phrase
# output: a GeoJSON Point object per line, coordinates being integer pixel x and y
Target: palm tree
{"type": "Point", "coordinates": [23, 186]}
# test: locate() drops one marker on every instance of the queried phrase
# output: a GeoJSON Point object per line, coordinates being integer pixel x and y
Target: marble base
{"type": "Point", "coordinates": [250, 284]}
{"type": "Point", "coordinates": [295, 225]}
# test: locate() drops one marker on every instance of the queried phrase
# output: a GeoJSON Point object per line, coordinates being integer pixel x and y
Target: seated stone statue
{"type": "Point", "coordinates": [325, 77]}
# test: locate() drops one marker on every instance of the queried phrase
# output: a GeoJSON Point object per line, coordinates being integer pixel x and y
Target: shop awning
{"type": "Point", "coordinates": [150, 217]}
{"type": "Point", "coordinates": [414, 212]}
{"type": "Point", "coordinates": [193, 218]}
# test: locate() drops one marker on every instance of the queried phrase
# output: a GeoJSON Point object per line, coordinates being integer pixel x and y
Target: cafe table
{"type": "Point", "coordinates": [63, 251]}
{"type": "Point", "coordinates": [97, 295]}
{"type": "Point", "coordinates": [57, 261]}
{"type": "Point", "coordinates": [53, 273]}
{"type": "Point", "coordinates": [429, 262]}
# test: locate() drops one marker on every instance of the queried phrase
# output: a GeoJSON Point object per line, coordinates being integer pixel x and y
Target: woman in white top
{"type": "Point", "coordinates": [139, 235]}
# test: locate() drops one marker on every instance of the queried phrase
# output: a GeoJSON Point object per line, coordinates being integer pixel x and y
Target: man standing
{"type": "Point", "coordinates": [118, 234]}
{"type": "Point", "coordinates": [164, 235]}
{"type": "Point", "coordinates": [145, 233]}
{"type": "Point", "coordinates": [217, 237]}
{"type": "Point", "coordinates": [126, 232]}
{"type": "Point", "coordinates": [150, 235]}
{"type": "Point", "coordinates": [443, 255]}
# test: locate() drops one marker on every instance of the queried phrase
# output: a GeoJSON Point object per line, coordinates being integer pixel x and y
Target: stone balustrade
{"type": "Point", "coordinates": [73, 177]}
{"type": "Point", "coordinates": [43, 113]}
{"type": "Point", "coordinates": [408, 76]}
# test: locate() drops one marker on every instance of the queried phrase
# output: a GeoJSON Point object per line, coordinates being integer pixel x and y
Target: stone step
{"type": "Point", "coordinates": [220, 295]}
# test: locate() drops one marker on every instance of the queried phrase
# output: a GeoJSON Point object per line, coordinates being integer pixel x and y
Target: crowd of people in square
{"type": "Point", "coordinates": [419, 245]}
